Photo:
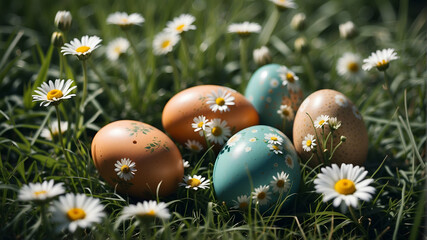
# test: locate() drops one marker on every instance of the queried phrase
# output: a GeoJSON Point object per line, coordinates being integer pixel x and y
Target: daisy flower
{"type": "Point", "coordinates": [288, 78]}
{"type": "Point", "coordinates": [185, 163]}
{"type": "Point", "coordinates": [116, 48]}
{"type": "Point", "coordinates": [76, 210]}
{"type": "Point", "coordinates": [349, 66]}
{"type": "Point", "coordinates": [82, 49]}
{"type": "Point", "coordinates": [309, 143]}
{"type": "Point", "coordinates": [232, 141]}
{"type": "Point", "coordinates": [244, 29]}
{"type": "Point", "coordinates": [39, 192]}
{"type": "Point", "coordinates": [321, 121]}
{"type": "Point", "coordinates": [220, 100]}
{"type": "Point", "coordinates": [262, 56]}
{"type": "Point", "coordinates": [181, 24]}
{"type": "Point", "coordinates": [53, 131]}
{"type": "Point", "coordinates": [286, 112]}
{"type": "Point", "coordinates": [298, 22]}
{"type": "Point", "coordinates": [356, 112]}
{"type": "Point", "coordinates": [218, 131]}
{"type": "Point", "coordinates": [347, 30]}
{"type": "Point", "coordinates": [145, 211]}
{"type": "Point", "coordinates": [63, 20]}
{"type": "Point", "coordinates": [54, 92]}
{"type": "Point", "coordinates": [280, 184]}
{"type": "Point", "coordinates": [277, 149]}
{"type": "Point", "coordinates": [195, 182]}
{"type": "Point", "coordinates": [193, 145]}
{"type": "Point", "coordinates": [242, 202]}
{"type": "Point", "coordinates": [345, 184]}
{"type": "Point", "coordinates": [124, 20]}
{"type": "Point", "coordinates": [284, 4]}
{"type": "Point", "coordinates": [380, 59]}
{"type": "Point", "coordinates": [261, 195]}
{"type": "Point", "coordinates": [334, 123]}
{"type": "Point", "coordinates": [199, 124]}
{"type": "Point", "coordinates": [341, 100]}
{"type": "Point", "coordinates": [125, 169]}
{"type": "Point", "coordinates": [273, 138]}
{"type": "Point", "coordinates": [164, 42]}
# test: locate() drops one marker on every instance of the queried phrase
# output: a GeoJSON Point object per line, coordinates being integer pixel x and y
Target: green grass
{"type": "Point", "coordinates": [139, 85]}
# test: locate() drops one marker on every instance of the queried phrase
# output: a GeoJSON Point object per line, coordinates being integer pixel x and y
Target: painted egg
{"type": "Point", "coordinates": [276, 94]}
{"type": "Point", "coordinates": [332, 104]}
{"type": "Point", "coordinates": [259, 159]}
{"type": "Point", "coordinates": [226, 111]}
{"type": "Point", "coordinates": [137, 159]}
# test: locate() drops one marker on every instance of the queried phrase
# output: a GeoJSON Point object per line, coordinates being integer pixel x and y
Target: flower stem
{"type": "Point", "coordinates": [58, 117]}
{"type": "Point", "coordinates": [243, 63]}
{"type": "Point", "coordinates": [82, 103]}
{"type": "Point", "coordinates": [134, 84]}
{"type": "Point", "coordinates": [353, 215]}
{"type": "Point", "coordinates": [387, 88]}
{"type": "Point", "coordinates": [265, 35]}
{"type": "Point", "coordinates": [310, 72]}
{"type": "Point", "coordinates": [175, 73]}
{"type": "Point", "coordinates": [61, 63]}
{"type": "Point", "coordinates": [186, 64]}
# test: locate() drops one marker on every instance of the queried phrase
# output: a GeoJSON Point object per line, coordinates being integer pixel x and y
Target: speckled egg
{"type": "Point", "coordinates": [229, 107]}
{"type": "Point", "coordinates": [137, 158]}
{"type": "Point", "coordinates": [333, 104]}
{"type": "Point", "coordinates": [270, 87]}
{"type": "Point", "coordinates": [250, 160]}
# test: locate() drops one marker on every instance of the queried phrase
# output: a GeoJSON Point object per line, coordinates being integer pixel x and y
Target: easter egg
{"type": "Point", "coordinates": [271, 87]}
{"type": "Point", "coordinates": [256, 159]}
{"type": "Point", "coordinates": [332, 104]}
{"type": "Point", "coordinates": [137, 159]}
{"type": "Point", "coordinates": [226, 112]}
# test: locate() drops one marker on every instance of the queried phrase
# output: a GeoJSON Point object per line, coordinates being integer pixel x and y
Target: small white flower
{"type": "Point", "coordinates": [341, 100]}
{"type": "Point", "coordinates": [125, 169]}
{"type": "Point", "coordinates": [242, 202]}
{"type": "Point", "coordinates": [193, 145]}
{"type": "Point", "coordinates": [54, 92]}
{"type": "Point", "coordinates": [164, 42]}
{"type": "Point", "coordinates": [199, 124]}
{"type": "Point", "coordinates": [289, 78]}
{"type": "Point", "coordinates": [274, 83]}
{"type": "Point", "coordinates": [298, 22]}
{"type": "Point", "coordinates": [124, 20]}
{"type": "Point", "coordinates": [232, 141]}
{"type": "Point", "coordinates": [286, 112]}
{"type": "Point", "coordinates": [39, 192]}
{"type": "Point", "coordinates": [284, 4]}
{"type": "Point", "coordinates": [74, 211]}
{"type": "Point", "coordinates": [334, 123]}
{"type": "Point", "coordinates": [63, 20]}
{"type": "Point", "coordinates": [261, 195]}
{"type": "Point", "coordinates": [280, 184]}
{"type": "Point", "coordinates": [273, 138]}
{"type": "Point", "coordinates": [356, 112]}
{"type": "Point", "coordinates": [116, 48]}
{"type": "Point", "coordinates": [262, 56]}
{"type": "Point", "coordinates": [347, 30]}
{"type": "Point", "coordinates": [195, 182]}
{"type": "Point", "coordinates": [309, 143]}
{"type": "Point", "coordinates": [277, 149]}
{"type": "Point", "coordinates": [145, 211]}
{"type": "Point", "coordinates": [380, 59]}
{"type": "Point", "coordinates": [185, 163]}
{"type": "Point", "coordinates": [181, 24]}
{"type": "Point", "coordinates": [252, 139]}
{"type": "Point", "coordinates": [244, 29]}
{"type": "Point", "coordinates": [248, 149]}
{"type": "Point", "coordinates": [82, 49]}
{"type": "Point", "coordinates": [218, 131]}
{"type": "Point", "coordinates": [345, 184]}
{"type": "Point", "coordinates": [349, 66]}
{"type": "Point", "coordinates": [321, 121]}
{"type": "Point", "coordinates": [220, 100]}
{"type": "Point", "coordinates": [53, 130]}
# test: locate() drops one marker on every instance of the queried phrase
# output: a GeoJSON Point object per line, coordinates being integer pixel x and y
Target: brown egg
{"type": "Point", "coordinates": [181, 109]}
{"type": "Point", "coordinates": [157, 159]}
{"type": "Point", "coordinates": [334, 104]}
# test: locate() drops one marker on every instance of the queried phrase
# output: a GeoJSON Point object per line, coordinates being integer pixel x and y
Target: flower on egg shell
{"type": "Point", "coordinates": [193, 145]}
{"type": "Point", "coordinates": [280, 184]}
{"type": "Point", "coordinates": [341, 100]}
{"type": "Point", "coordinates": [309, 143]}
{"type": "Point", "coordinates": [220, 100]}
{"type": "Point", "coordinates": [125, 169]}
{"type": "Point", "coordinates": [242, 202]}
{"type": "Point", "coordinates": [289, 78]}
{"type": "Point", "coordinates": [232, 141]}
{"type": "Point", "coordinates": [273, 138]}
{"type": "Point", "coordinates": [321, 121]}
{"type": "Point", "coordinates": [356, 112]}
{"type": "Point", "coordinates": [277, 149]}
{"type": "Point", "coordinates": [217, 131]}
{"type": "Point", "coordinates": [81, 48]}
{"type": "Point", "coordinates": [199, 124]}
{"type": "Point", "coordinates": [195, 182]}
{"type": "Point", "coordinates": [261, 195]}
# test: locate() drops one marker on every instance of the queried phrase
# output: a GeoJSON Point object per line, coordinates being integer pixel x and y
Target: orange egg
{"type": "Point", "coordinates": [181, 109]}
{"type": "Point", "coordinates": [137, 159]}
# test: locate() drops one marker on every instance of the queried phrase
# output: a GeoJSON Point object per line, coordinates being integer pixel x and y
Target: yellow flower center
{"type": "Point", "coordinates": [125, 169]}
{"type": "Point", "coordinates": [55, 93]}
{"type": "Point", "coordinates": [345, 186]}
{"type": "Point", "coordinates": [40, 192]}
{"type": "Point", "coordinates": [274, 138]}
{"type": "Point", "coordinates": [82, 49]}
{"type": "Point", "coordinates": [148, 215]}
{"type": "Point", "coordinates": [193, 182]}
{"type": "Point", "coordinates": [194, 147]}
{"type": "Point", "coordinates": [220, 101]}
{"type": "Point", "coordinates": [180, 27]}
{"type": "Point", "coordinates": [382, 63]}
{"type": "Point", "coordinates": [321, 122]}
{"type": "Point", "coordinates": [280, 183]}
{"type": "Point", "coordinates": [117, 50]}
{"type": "Point", "coordinates": [290, 77]}
{"type": "Point", "coordinates": [216, 131]}
{"type": "Point", "coordinates": [308, 143]}
{"type": "Point", "coordinates": [275, 147]}
{"type": "Point", "coordinates": [353, 67]}
{"type": "Point", "coordinates": [200, 124]}
{"type": "Point", "coordinates": [125, 20]}
{"type": "Point", "coordinates": [243, 205]}
{"type": "Point", "coordinates": [75, 214]}
{"type": "Point", "coordinates": [285, 112]}
{"type": "Point", "coordinates": [166, 44]}
{"type": "Point", "coordinates": [261, 195]}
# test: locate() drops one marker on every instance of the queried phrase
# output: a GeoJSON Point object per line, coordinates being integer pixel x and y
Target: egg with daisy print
{"type": "Point", "coordinates": [258, 163]}
{"type": "Point", "coordinates": [137, 159]}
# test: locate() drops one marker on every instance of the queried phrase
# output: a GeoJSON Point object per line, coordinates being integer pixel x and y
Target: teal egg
{"type": "Point", "coordinates": [249, 160]}
{"type": "Point", "coordinates": [270, 87]}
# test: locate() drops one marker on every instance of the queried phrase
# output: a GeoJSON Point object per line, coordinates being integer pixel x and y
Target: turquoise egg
{"type": "Point", "coordinates": [270, 87]}
{"type": "Point", "coordinates": [249, 161]}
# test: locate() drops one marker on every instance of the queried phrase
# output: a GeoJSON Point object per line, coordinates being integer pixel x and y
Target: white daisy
{"type": "Point", "coordinates": [289, 78]}
{"type": "Point", "coordinates": [199, 124]}
{"type": "Point", "coordinates": [348, 30]}
{"type": "Point", "coordinates": [220, 100]}
{"type": "Point", "coordinates": [145, 211]}
{"type": "Point", "coordinates": [195, 182]}
{"type": "Point", "coordinates": [185, 163]}
{"type": "Point", "coordinates": [125, 169]}
{"type": "Point", "coordinates": [193, 145]}
{"type": "Point", "coordinates": [82, 49]}
{"type": "Point", "coordinates": [252, 139]}
{"type": "Point", "coordinates": [262, 56]}
{"type": "Point", "coordinates": [286, 112]}
{"type": "Point", "coordinates": [63, 20]}
{"type": "Point", "coordinates": [356, 112]}
{"type": "Point", "coordinates": [277, 149]}
{"type": "Point", "coordinates": [218, 131]}
{"type": "Point", "coordinates": [349, 66]}
{"type": "Point", "coordinates": [345, 184]}
{"type": "Point", "coordinates": [244, 29]}
{"type": "Point", "coordinates": [334, 123]}
{"type": "Point", "coordinates": [54, 92]}
{"type": "Point", "coordinates": [181, 24]}
{"type": "Point", "coordinates": [232, 141]}
{"type": "Point", "coordinates": [284, 4]}
{"type": "Point", "coordinates": [261, 195]}
{"type": "Point", "coordinates": [309, 143]}
{"type": "Point", "coordinates": [76, 210]}
{"type": "Point", "coordinates": [116, 48]}
{"type": "Point", "coordinates": [39, 192]}
{"type": "Point", "coordinates": [52, 131]}
{"type": "Point", "coordinates": [341, 100]}
{"type": "Point", "coordinates": [274, 83]}
{"type": "Point", "coordinates": [321, 121]}
{"type": "Point", "coordinates": [380, 59]}
{"type": "Point", "coordinates": [242, 202]}
{"type": "Point", "coordinates": [248, 149]}
{"type": "Point", "coordinates": [280, 184]}
{"type": "Point", "coordinates": [273, 138]}
{"type": "Point", "coordinates": [124, 20]}
{"type": "Point", "coordinates": [164, 42]}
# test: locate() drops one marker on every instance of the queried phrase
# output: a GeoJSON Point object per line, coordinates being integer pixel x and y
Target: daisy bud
{"type": "Point", "coordinates": [348, 30]}
{"type": "Point", "coordinates": [301, 45]}
{"type": "Point", "coordinates": [57, 39]}
{"type": "Point", "coordinates": [262, 56]}
{"type": "Point", "coordinates": [63, 20]}
{"type": "Point", "coordinates": [343, 138]}
{"type": "Point", "coordinates": [298, 22]}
